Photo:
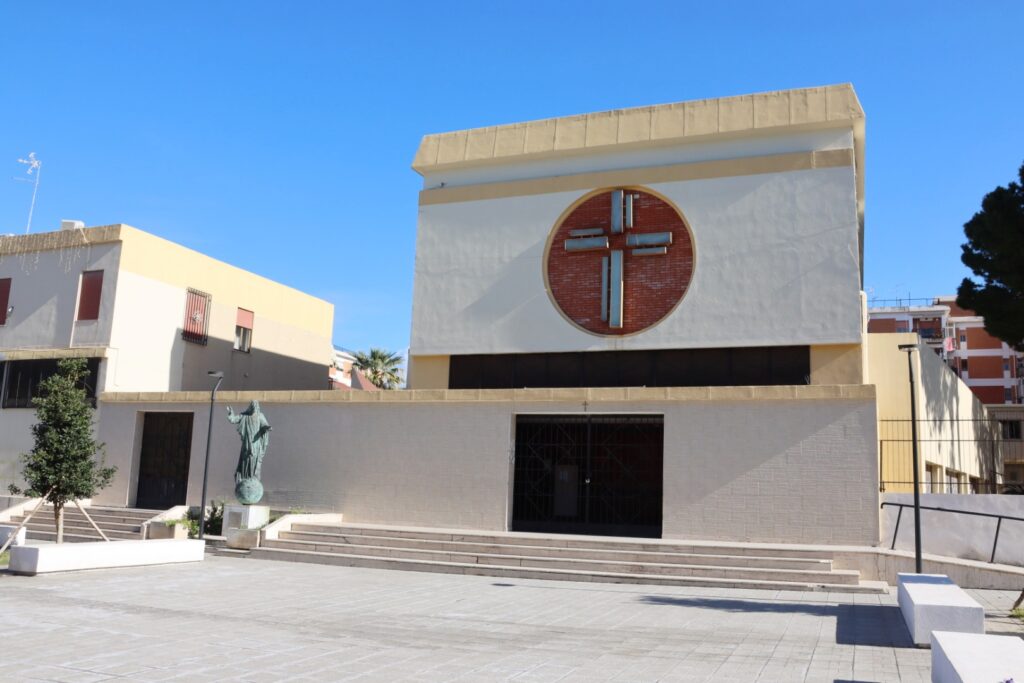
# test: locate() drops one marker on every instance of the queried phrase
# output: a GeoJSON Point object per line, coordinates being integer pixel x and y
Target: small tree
{"type": "Point", "coordinates": [380, 366]}
{"type": "Point", "coordinates": [995, 252]}
{"type": "Point", "coordinates": [61, 466]}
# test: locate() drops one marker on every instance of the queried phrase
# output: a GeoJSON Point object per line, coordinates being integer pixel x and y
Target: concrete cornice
{"type": "Point", "coordinates": [588, 395]}
{"type": "Point", "coordinates": [60, 239]}
{"type": "Point", "coordinates": [727, 117]}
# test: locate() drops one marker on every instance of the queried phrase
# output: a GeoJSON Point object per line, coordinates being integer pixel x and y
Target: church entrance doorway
{"type": "Point", "coordinates": [588, 474]}
{"type": "Point", "coordinates": [163, 463]}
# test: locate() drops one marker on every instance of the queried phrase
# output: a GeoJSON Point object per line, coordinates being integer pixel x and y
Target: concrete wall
{"type": "Point", "coordinates": [148, 353]}
{"type": "Point", "coordinates": [954, 535]}
{"type": "Point", "coordinates": [15, 439]}
{"type": "Point", "coordinates": [791, 464]}
{"type": "Point", "coordinates": [776, 263]}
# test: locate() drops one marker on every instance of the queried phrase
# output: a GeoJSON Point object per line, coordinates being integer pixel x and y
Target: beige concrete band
{"type": "Point", "coordinates": [54, 354]}
{"type": "Point", "coordinates": [589, 395]}
{"type": "Point", "coordinates": [700, 170]}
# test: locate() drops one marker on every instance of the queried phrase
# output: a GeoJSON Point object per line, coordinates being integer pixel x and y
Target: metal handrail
{"type": "Point", "coordinates": [999, 524]}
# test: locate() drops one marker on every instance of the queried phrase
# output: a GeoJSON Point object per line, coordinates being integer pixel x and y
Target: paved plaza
{"type": "Point", "coordinates": [251, 620]}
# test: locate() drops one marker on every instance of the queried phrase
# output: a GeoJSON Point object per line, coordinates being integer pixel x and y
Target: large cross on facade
{"type": "Point", "coordinates": [616, 243]}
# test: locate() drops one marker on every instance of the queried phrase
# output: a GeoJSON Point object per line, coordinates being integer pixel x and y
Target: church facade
{"type": "Point", "coordinates": [715, 242]}
{"type": "Point", "coordinates": [645, 322]}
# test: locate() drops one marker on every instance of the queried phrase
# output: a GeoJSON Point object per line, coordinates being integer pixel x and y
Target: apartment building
{"type": "Point", "coordinates": [149, 315]}
{"type": "Point", "coordinates": [993, 370]}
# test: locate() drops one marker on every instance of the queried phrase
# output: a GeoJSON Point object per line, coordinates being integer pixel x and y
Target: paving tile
{"type": "Point", "coordinates": [243, 620]}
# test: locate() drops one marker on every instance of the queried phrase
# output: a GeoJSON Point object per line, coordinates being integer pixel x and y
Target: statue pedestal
{"type": "Point", "coordinates": [242, 524]}
{"type": "Point", "coordinates": [245, 517]}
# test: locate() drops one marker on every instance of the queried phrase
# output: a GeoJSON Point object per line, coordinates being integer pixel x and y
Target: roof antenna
{"type": "Point", "coordinates": [37, 166]}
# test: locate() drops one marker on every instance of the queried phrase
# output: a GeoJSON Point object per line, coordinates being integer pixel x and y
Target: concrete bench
{"type": "Point", "coordinates": [976, 658]}
{"type": "Point", "coordinates": [64, 557]}
{"type": "Point", "coordinates": [931, 602]}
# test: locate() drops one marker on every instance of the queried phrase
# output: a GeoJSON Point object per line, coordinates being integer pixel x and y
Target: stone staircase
{"type": "Point", "coordinates": [568, 558]}
{"type": "Point", "coordinates": [117, 523]}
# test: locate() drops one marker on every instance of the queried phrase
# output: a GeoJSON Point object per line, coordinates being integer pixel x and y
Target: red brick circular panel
{"type": "Point", "coordinates": [656, 256]}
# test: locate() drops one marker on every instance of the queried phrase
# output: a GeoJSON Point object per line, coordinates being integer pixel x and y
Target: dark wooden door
{"type": "Point", "coordinates": [163, 464]}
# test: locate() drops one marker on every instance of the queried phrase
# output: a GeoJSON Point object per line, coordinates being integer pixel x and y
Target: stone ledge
{"type": "Point", "coordinates": [55, 353]}
{"type": "Point", "coordinates": [837, 392]}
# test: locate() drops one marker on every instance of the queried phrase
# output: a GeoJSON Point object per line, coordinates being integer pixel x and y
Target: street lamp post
{"type": "Point", "coordinates": [909, 349]}
{"type": "Point", "coordinates": [219, 376]}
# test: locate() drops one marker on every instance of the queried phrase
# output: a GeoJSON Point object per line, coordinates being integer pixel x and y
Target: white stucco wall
{"type": "Point", "coordinates": [776, 264]}
{"type": "Point", "coordinates": [966, 536]}
{"type": "Point", "coordinates": [44, 294]}
{"type": "Point", "coordinates": [746, 470]}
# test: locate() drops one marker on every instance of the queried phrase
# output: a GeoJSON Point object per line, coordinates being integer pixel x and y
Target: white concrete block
{"type": "Point", "coordinates": [975, 658]}
{"type": "Point", "coordinates": [43, 559]}
{"type": "Point", "coordinates": [5, 533]}
{"type": "Point", "coordinates": [931, 602]}
{"type": "Point", "coordinates": [245, 517]}
{"type": "Point", "coordinates": [243, 539]}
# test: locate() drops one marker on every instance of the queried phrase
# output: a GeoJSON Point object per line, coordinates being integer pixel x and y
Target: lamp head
{"type": "Point", "coordinates": [215, 374]}
{"type": "Point", "coordinates": [907, 347]}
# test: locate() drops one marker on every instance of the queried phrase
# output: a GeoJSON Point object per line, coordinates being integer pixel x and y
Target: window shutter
{"type": "Point", "coordinates": [89, 297]}
{"type": "Point", "coordinates": [5, 298]}
{"type": "Point", "coordinates": [244, 318]}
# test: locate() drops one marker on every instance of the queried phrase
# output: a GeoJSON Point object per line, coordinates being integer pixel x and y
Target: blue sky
{"type": "Point", "coordinates": [278, 136]}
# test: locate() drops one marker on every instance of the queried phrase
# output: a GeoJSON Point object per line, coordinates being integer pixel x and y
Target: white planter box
{"type": "Point", "coordinates": [43, 559]}
{"type": "Point", "coordinates": [931, 602]}
{"type": "Point", "coordinates": [970, 658]}
{"type": "Point", "coordinates": [5, 533]}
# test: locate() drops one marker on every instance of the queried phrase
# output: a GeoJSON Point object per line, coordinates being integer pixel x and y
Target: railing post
{"type": "Point", "coordinates": [897, 531]}
{"type": "Point", "coordinates": [995, 542]}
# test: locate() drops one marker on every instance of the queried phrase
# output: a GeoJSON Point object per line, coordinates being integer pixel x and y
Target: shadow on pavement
{"type": "Point", "coordinates": [879, 625]}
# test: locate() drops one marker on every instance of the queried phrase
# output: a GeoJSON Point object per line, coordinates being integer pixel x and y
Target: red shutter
{"type": "Point", "coordinates": [244, 318]}
{"type": "Point", "coordinates": [196, 324]}
{"type": "Point", "coordinates": [5, 298]}
{"type": "Point", "coordinates": [89, 297]}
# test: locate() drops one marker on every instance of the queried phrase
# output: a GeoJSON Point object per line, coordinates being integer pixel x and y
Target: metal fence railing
{"type": "Point", "coordinates": [956, 456]}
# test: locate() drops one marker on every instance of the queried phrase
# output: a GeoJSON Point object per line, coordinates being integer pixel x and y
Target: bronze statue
{"type": "Point", "coordinates": [254, 430]}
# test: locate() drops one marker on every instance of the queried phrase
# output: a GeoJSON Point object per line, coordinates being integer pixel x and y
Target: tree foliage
{"type": "Point", "coordinates": [382, 367]}
{"type": "Point", "coordinates": [995, 253]}
{"type": "Point", "coordinates": [63, 465]}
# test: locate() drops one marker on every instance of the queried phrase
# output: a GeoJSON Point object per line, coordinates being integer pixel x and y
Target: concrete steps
{"type": "Point", "coordinates": [572, 558]}
{"type": "Point", "coordinates": [117, 524]}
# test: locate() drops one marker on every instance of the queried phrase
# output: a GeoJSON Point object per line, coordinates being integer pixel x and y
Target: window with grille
{"type": "Point", "coordinates": [243, 330]}
{"type": "Point", "coordinates": [196, 326]}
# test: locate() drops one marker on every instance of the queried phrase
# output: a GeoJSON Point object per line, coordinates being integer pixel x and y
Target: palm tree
{"type": "Point", "coordinates": [382, 367]}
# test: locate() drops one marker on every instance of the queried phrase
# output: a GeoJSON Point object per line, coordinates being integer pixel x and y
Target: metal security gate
{"type": "Point", "coordinates": [163, 463]}
{"type": "Point", "coordinates": [588, 474]}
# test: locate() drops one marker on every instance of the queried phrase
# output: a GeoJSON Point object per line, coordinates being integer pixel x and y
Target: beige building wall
{"type": "Point", "coordinates": [744, 463]}
{"type": "Point", "coordinates": [954, 431]}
